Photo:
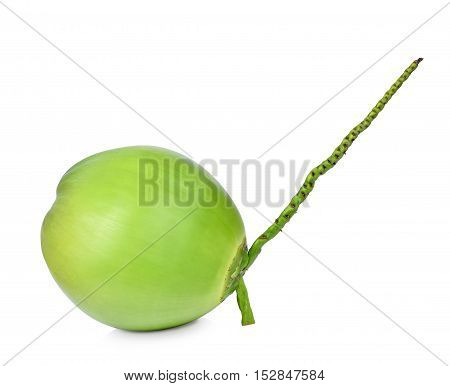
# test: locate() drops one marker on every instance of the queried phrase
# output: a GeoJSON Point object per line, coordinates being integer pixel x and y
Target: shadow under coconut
{"type": "Point", "coordinates": [184, 329]}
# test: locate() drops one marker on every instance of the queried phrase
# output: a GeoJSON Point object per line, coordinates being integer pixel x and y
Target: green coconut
{"type": "Point", "coordinates": [143, 238]}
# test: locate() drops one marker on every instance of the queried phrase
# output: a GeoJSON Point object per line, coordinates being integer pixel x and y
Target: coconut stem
{"type": "Point", "coordinates": [244, 304]}
{"type": "Point", "coordinates": [326, 165]}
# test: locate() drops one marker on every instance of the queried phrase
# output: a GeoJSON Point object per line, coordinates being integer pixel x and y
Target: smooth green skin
{"type": "Point", "coordinates": [140, 267]}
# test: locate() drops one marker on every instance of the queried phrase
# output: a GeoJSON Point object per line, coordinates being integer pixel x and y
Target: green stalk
{"type": "Point", "coordinates": [315, 173]}
{"type": "Point", "coordinates": [244, 304]}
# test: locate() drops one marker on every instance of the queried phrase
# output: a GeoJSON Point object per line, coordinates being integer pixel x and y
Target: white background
{"type": "Point", "coordinates": [227, 80]}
